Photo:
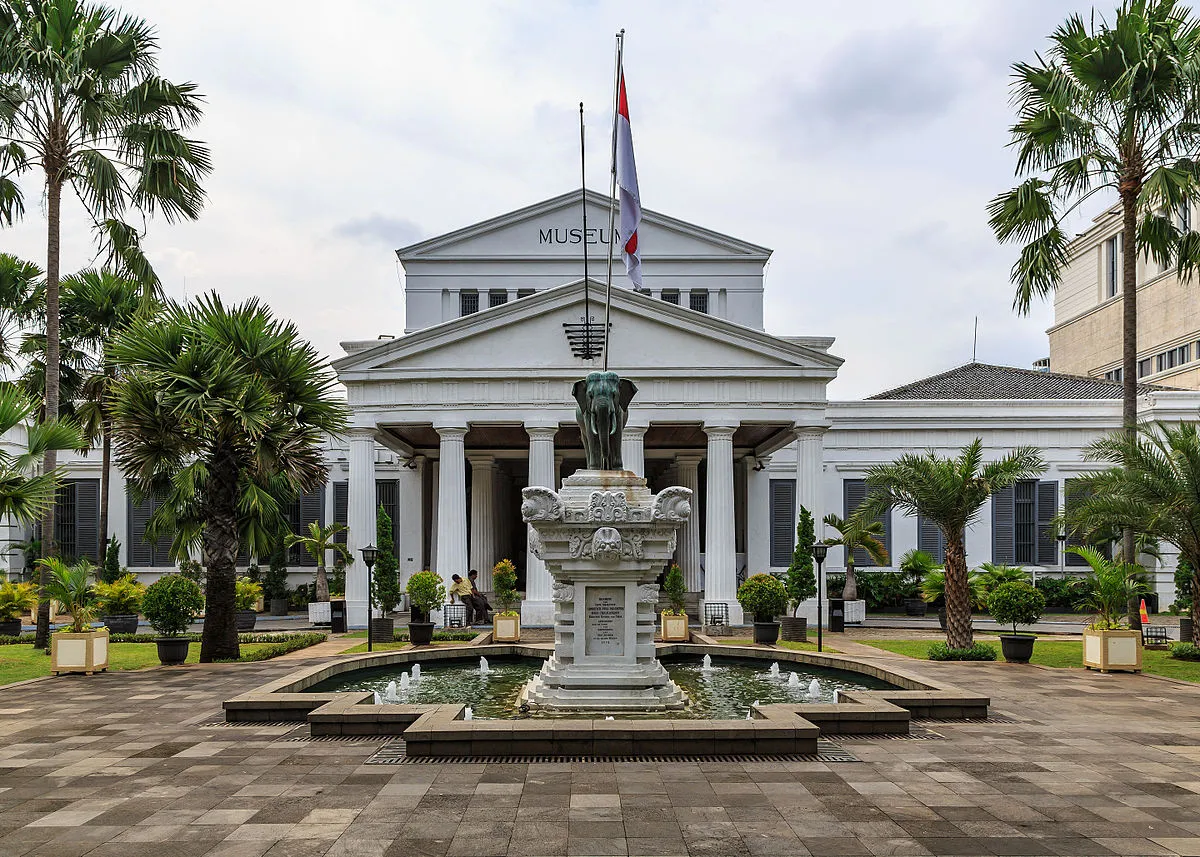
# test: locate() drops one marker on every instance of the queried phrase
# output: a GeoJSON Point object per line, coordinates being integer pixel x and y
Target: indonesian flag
{"type": "Point", "coordinates": [631, 203]}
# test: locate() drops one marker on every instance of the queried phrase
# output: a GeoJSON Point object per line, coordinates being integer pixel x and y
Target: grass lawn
{"type": "Point", "coordinates": [799, 647]}
{"type": "Point", "coordinates": [21, 661]}
{"type": "Point", "coordinates": [1058, 653]}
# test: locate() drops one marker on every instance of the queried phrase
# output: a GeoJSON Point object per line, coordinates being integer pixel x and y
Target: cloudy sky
{"type": "Point", "coordinates": [861, 143]}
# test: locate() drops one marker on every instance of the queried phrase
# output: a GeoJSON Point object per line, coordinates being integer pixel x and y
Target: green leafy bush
{"type": "Point", "coordinates": [291, 643]}
{"type": "Point", "coordinates": [675, 588]}
{"type": "Point", "coordinates": [504, 586]}
{"type": "Point", "coordinates": [801, 580]}
{"type": "Point", "coordinates": [275, 580]}
{"type": "Point", "coordinates": [426, 592]}
{"type": "Point", "coordinates": [933, 587]}
{"type": "Point", "coordinates": [885, 591]}
{"type": "Point", "coordinates": [1016, 603]}
{"type": "Point", "coordinates": [385, 578]}
{"type": "Point", "coordinates": [1185, 652]}
{"type": "Point", "coordinates": [977, 652]}
{"type": "Point", "coordinates": [6, 640]}
{"type": "Point", "coordinates": [992, 576]}
{"type": "Point", "coordinates": [246, 593]}
{"type": "Point", "coordinates": [172, 603]}
{"type": "Point", "coordinates": [111, 570]}
{"type": "Point", "coordinates": [16, 599]}
{"type": "Point", "coordinates": [1111, 585]}
{"type": "Point", "coordinates": [763, 596]}
{"type": "Point", "coordinates": [121, 597]}
{"type": "Point", "coordinates": [193, 571]}
{"type": "Point", "coordinates": [1061, 594]}
{"type": "Point", "coordinates": [1183, 586]}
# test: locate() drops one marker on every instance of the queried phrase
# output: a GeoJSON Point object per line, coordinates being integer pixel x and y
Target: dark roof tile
{"type": "Point", "coordinates": [986, 381]}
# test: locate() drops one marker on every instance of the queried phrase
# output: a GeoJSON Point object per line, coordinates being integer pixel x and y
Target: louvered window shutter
{"type": "Point", "coordinates": [341, 508]}
{"type": "Point", "coordinates": [87, 519]}
{"type": "Point", "coordinates": [387, 495]}
{"type": "Point", "coordinates": [64, 519]}
{"type": "Point", "coordinates": [139, 552]}
{"type": "Point", "coordinates": [162, 547]}
{"type": "Point", "coordinates": [930, 539]}
{"type": "Point", "coordinates": [310, 507]}
{"type": "Point", "coordinates": [854, 491]}
{"type": "Point", "coordinates": [783, 521]}
{"type": "Point", "coordinates": [1047, 509]}
{"type": "Point", "coordinates": [1003, 520]}
{"type": "Point", "coordinates": [1074, 494]}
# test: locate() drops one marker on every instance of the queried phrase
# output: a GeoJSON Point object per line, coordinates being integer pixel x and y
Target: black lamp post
{"type": "Point", "coordinates": [1062, 554]}
{"type": "Point", "coordinates": [368, 554]}
{"type": "Point", "coordinates": [819, 551]}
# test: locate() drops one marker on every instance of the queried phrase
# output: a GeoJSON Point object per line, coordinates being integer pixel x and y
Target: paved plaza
{"type": "Point", "coordinates": [132, 764]}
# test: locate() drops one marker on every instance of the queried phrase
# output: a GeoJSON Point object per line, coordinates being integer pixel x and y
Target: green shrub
{"type": "Point", "coordinates": [1185, 652]}
{"type": "Point", "coordinates": [991, 576]}
{"type": "Point", "coordinates": [111, 570]}
{"type": "Point", "coordinates": [885, 591]}
{"type": "Point", "coordinates": [16, 599]}
{"type": "Point", "coordinates": [291, 643]}
{"type": "Point", "coordinates": [675, 589]}
{"type": "Point", "coordinates": [385, 577]}
{"type": "Point", "coordinates": [801, 580]}
{"type": "Point", "coordinates": [1061, 594]}
{"type": "Point", "coordinates": [246, 593]}
{"type": "Point", "coordinates": [977, 652]}
{"type": "Point", "coordinates": [275, 580]}
{"type": "Point", "coordinates": [504, 586]}
{"type": "Point", "coordinates": [764, 596]}
{"type": "Point", "coordinates": [121, 597]}
{"type": "Point", "coordinates": [337, 578]}
{"type": "Point", "coordinates": [933, 587]}
{"type": "Point", "coordinates": [1183, 586]}
{"type": "Point", "coordinates": [193, 571]}
{"type": "Point", "coordinates": [1016, 603]}
{"type": "Point", "coordinates": [426, 592]}
{"type": "Point", "coordinates": [172, 603]}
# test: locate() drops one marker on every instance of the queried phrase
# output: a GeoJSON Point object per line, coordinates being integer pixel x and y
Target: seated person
{"type": "Point", "coordinates": [462, 589]}
{"type": "Point", "coordinates": [478, 602]}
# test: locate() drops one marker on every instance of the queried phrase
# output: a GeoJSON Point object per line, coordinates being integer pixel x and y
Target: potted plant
{"type": "Point", "coordinates": [318, 543]}
{"type": "Point", "coordinates": [1108, 643]}
{"type": "Point", "coordinates": [426, 593]}
{"type": "Point", "coordinates": [80, 648]}
{"type": "Point", "coordinates": [506, 622]}
{"type": "Point", "coordinates": [914, 566]}
{"type": "Point", "coordinates": [675, 619]}
{"type": "Point", "coordinates": [764, 597]}
{"type": "Point", "coordinates": [275, 582]}
{"type": "Point", "coordinates": [245, 596]}
{"type": "Point", "coordinates": [172, 603]}
{"type": "Point", "coordinates": [119, 603]}
{"type": "Point", "coordinates": [1016, 603]}
{"type": "Point", "coordinates": [800, 580]}
{"type": "Point", "coordinates": [16, 599]}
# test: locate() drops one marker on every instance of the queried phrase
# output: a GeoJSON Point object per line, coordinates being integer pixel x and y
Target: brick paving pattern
{"type": "Point", "coordinates": [122, 765]}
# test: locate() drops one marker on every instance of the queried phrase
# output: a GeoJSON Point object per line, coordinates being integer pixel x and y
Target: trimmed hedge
{"type": "Point", "coordinates": [191, 638]}
{"type": "Point", "coordinates": [977, 652]}
{"type": "Point", "coordinates": [291, 643]}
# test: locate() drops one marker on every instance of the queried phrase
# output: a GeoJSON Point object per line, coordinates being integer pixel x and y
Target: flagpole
{"type": "Point", "coordinates": [612, 195]}
{"type": "Point", "coordinates": [587, 312]}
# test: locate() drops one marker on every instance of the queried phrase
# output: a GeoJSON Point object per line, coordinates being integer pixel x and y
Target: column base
{"type": "Point", "coordinates": [535, 613]}
{"type": "Point", "coordinates": [356, 614]}
{"type": "Point", "coordinates": [736, 616]}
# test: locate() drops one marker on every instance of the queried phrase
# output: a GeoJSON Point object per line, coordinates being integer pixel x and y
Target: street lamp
{"type": "Point", "coordinates": [819, 551]}
{"type": "Point", "coordinates": [1062, 553]}
{"type": "Point", "coordinates": [368, 554]}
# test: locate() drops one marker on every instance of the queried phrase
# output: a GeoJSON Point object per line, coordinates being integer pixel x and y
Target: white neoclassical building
{"type": "Point", "coordinates": [473, 403]}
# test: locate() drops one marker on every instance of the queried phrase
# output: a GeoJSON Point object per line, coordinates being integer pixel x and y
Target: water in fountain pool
{"type": "Point", "coordinates": [724, 691]}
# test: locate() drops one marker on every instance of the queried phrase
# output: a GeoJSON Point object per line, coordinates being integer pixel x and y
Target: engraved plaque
{"type": "Point", "coordinates": [605, 620]}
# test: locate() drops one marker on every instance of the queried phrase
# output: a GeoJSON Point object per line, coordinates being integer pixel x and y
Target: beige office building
{"type": "Point", "coordinates": [1086, 336]}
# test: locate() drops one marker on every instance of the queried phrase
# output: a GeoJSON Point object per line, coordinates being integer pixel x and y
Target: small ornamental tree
{"type": "Point", "coordinates": [764, 596]}
{"type": "Point", "coordinates": [675, 589]}
{"type": "Point", "coordinates": [385, 582]}
{"type": "Point", "coordinates": [801, 580]}
{"type": "Point", "coordinates": [426, 592]}
{"type": "Point", "coordinates": [504, 586]}
{"type": "Point", "coordinates": [111, 571]}
{"type": "Point", "coordinates": [275, 580]}
{"type": "Point", "coordinates": [172, 603]}
{"type": "Point", "coordinates": [1016, 603]}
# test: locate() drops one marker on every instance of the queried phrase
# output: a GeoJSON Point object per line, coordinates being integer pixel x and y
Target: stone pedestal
{"type": "Point", "coordinates": [604, 538]}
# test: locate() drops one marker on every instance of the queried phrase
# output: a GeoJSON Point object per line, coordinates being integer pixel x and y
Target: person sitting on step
{"type": "Point", "coordinates": [462, 589]}
{"type": "Point", "coordinates": [478, 601]}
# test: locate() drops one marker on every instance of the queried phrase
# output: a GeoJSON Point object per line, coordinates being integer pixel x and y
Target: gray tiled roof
{"type": "Point", "coordinates": [985, 381]}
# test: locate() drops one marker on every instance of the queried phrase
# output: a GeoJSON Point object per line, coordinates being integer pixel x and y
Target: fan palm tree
{"type": "Point", "coordinates": [854, 533]}
{"type": "Point", "coordinates": [1110, 108]}
{"type": "Point", "coordinates": [949, 491]}
{"type": "Point", "coordinates": [319, 541]}
{"type": "Point", "coordinates": [20, 287]}
{"type": "Point", "coordinates": [1152, 486]}
{"type": "Point", "coordinates": [222, 411]}
{"type": "Point", "coordinates": [82, 104]}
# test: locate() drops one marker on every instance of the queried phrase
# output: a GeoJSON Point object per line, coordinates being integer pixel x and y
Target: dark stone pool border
{"type": "Point", "coordinates": [441, 731]}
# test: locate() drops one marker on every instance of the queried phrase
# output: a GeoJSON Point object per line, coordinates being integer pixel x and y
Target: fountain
{"type": "Point", "coordinates": [416, 672]}
{"type": "Point", "coordinates": [793, 680]}
{"type": "Point", "coordinates": [468, 714]}
{"type": "Point", "coordinates": [774, 670]}
{"type": "Point", "coordinates": [405, 681]}
{"type": "Point", "coordinates": [389, 693]}
{"type": "Point", "coordinates": [484, 669]}
{"type": "Point", "coordinates": [814, 689]}
{"type": "Point", "coordinates": [378, 698]}
{"type": "Point", "coordinates": [706, 664]}
{"type": "Point", "coordinates": [604, 538]}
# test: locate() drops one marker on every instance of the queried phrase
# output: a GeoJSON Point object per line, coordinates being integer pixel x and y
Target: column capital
{"type": "Point", "coordinates": [542, 433]}
{"type": "Point", "coordinates": [634, 430]}
{"type": "Point", "coordinates": [451, 432]}
{"type": "Point", "coordinates": [481, 460]}
{"type": "Point", "coordinates": [717, 431]}
{"type": "Point", "coordinates": [361, 433]}
{"type": "Point", "coordinates": [809, 432]}
{"type": "Point", "coordinates": [690, 459]}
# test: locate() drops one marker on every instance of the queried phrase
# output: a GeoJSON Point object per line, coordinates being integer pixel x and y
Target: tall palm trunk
{"type": "Point", "coordinates": [1195, 611]}
{"type": "Point", "coordinates": [322, 584]}
{"type": "Point", "coordinates": [219, 640]}
{"type": "Point", "coordinates": [959, 633]}
{"type": "Point", "coordinates": [105, 468]}
{"type": "Point", "coordinates": [50, 461]}
{"type": "Point", "coordinates": [1129, 348]}
{"type": "Point", "coordinates": [850, 590]}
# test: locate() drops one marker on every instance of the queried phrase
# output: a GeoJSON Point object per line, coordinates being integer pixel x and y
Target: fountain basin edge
{"type": "Point", "coordinates": [441, 731]}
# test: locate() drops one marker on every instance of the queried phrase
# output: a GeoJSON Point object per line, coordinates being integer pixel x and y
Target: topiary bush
{"type": "Point", "coordinates": [111, 571]}
{"type": "Point", "coordinates": [504, 586]}
{"type": "Point", "coordinates": [977, 652]}
{"type": "Point", "coordinates": [1016, 603]}
{"type": "Point", "coordinates": [764, 596]}
{"type": "Point", "coordinates": [385, 577]}
{"type": "Point", "coordinates": [172, 603]}
{"type": "Point", "coordinates": [675, 588]}
{"type": "Point", "coordinates": [801, 580]}
{"type": "Point", "coordinates": [426, 592]}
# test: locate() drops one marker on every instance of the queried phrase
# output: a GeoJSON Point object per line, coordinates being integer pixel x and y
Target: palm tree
{"type": "Point", "coordinates": [950, 492]}
{"type": "Point", "coordinates": [319, 541]}
{"type": "Point", "coordinates": [97, 305]}
{"type": "Point", "coordinates": [20, 287]}
{"type": "Point", "coordinates": [222, 411]}
{"type": "Point", "coordinates": [81, 103]}
{"type": "Point", "coordinates": [1110, 107]}
{"type": "Point", "coordinates": [1109, 586]}
{"type": "Point", "coordinates": [1152, 486]}
{"type": "Point", "coordinates": [854, 533]}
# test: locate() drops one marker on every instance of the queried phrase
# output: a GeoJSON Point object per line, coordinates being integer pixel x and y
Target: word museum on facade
{"type": "Point", "coordinates": [473, 403]}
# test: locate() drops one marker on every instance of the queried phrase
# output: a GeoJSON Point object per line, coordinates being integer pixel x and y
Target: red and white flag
{"type": "Point", "coordinates": [631, 203]}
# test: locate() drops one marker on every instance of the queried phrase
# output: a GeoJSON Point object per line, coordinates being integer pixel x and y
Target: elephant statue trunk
{"type": "Point", "coordinates": [602, 410]}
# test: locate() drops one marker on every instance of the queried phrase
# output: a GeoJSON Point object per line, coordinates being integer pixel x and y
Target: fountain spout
{"type": "Point", "coordinates": [484, 669]}
{"type": "Point", "coordinates": [706, 664]}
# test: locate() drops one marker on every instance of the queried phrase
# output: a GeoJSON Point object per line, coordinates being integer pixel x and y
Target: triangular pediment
{"type": "Point", "coordinates": [647, 336]}
{"type": "Point", "coordinates": [554, 227]}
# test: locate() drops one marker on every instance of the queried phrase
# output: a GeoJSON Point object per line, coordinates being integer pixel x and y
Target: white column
{"type": "Point", "coordinates": [810, 472]}
{"type": "Point", "coordinates": [483, 517]}
{"type": "Point", "coordinates": [632, 449]}
{"type": "Point", "coordinates": [687, 471]}
{"type": "Point", "coordinates": [435, 489]}
{"type": "Point", "coordinates": [720, 571]}
{"type": "Point", "coordinates": [452, 503]}
{"type": "Point", "coordinates": [538, 609]}
{"type": "Point", "coordinates": [558, 464]}
{"type": "Point", "coordinates": [412, 529]}
{"type": "Point", "coordinates": [758, 515]}
{"type": "Point", "coordinates": [503, 487]}
{"type": "Point", "coordinates": [360, 519]}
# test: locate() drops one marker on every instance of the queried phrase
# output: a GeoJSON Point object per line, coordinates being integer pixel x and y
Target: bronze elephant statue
{"type": "Point", "coordinates": [603, 408]}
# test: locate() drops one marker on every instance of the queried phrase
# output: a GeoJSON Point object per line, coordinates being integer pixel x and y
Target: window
{"type": "Point", "coordinates": [1076, 492]}
{"type": "Point", "coordinates": [931, 539]}
{"type": "Point", "coordinates": [1112, 258]}
{"type": "Point", "coordinates": [698, 300]}
{"type": "Point", "coordinates": [671, 296]}
{"type": "Point", "coordinates": [854, 491]}
{"type": "Point", "coordinates": [77, 519]}
{"type": "Point", "coordinates": [301, 512]}
{"type": "Point", "coordinates": [141, 553]}
{"type": "Point", "coordinates": [783, 521]}
{"type": "Point", "coordinates": [1022, 530]}
{"type": "Point", "coordinates": [1174, 357]}
{"type": "Point", "coordinates": [387, 494]}
{"type": "Point", "coordinates": [1144, 367]}
{"type": "Point", "coordinates": [497, 297]}
{"type": "Point", "coordinates": [1114, 375]}
{"type": "Point", "coordinates": [524, 293]}
{"type": "Point", "coordinates": [468, 303]}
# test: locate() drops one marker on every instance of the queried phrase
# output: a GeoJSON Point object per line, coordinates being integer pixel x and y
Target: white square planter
{"type": "Point", "coordinates": [856, 612]}
{"type": "Point", "coordinates": [318, 613]}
